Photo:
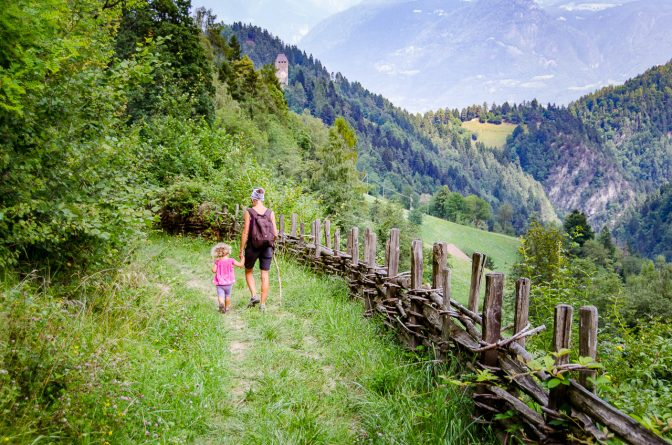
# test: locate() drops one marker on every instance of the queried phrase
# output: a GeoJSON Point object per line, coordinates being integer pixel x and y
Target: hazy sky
{"type": "Point", "coordinates": [288, 19]}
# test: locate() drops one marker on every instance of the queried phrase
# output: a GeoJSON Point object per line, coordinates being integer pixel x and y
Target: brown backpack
{"type": "Point", "coordinates": [262, 232]}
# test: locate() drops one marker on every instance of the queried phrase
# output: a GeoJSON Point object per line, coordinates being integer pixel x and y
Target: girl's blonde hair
{"type": "Point", "coordinates": [220, 250]}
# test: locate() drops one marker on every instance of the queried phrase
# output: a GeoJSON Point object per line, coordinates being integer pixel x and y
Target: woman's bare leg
{"type": "Point", "coordinates": [264, 286]}
{"type": "Point", "coordinates": [249, 278]}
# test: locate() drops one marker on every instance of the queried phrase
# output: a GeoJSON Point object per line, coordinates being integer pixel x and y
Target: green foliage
{"type": "Point", "coordinates": [646, 229]}
{"type": "Point", "coordinates": [69, 190]}
{"type": "Point", "coordinates": [185, 75]}
{"type": "Point", "coordinates": [397, 149]}
{"type": "Point", "coordinates": [468, 210]}
{"type": "Point", "coordinates": [542, 254]}
{"type": "Point", "coordinates": [577, 227]}
{"type": "Point", "coordinates": [386, 216]}
{"type": "Point", "coordinates": [336, 178]}
{"type": "Point", "coordinates": [415, 217]}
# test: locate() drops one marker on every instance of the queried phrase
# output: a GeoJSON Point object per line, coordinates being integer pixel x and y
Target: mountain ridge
{"type": "Point", "coordinates": [427, 54]}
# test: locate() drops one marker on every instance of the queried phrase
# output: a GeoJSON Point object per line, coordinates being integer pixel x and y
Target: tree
{"type": "Point", "coordinates": [606, 241]}
{"type": "Point", "coordinates": [336, 178]}
{"type": "Point", "coordinates": [185, 76]}
{"type": "Point", "coordinates": [504, 217]}
{"type": "Point", "coordinates": [542, 253]}
{"type": "Point", "coordinates": [577, 227]}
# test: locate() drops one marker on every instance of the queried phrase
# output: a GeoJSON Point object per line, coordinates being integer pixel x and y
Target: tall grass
{"type": "Point", "coordinates": [140, 355]}
{"type": "Point", "coordinates": [124, 357]}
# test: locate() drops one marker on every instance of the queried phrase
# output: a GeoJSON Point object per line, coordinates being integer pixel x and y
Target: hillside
{"type": "Point", "coordinates": [647, 228]}
{"type": "Point", "coordinates": [398, 149]}
{"type": "Point", "coordinates": [429, 54]}
{"type": "Point", "coordinates": [587, 156]}
{"type": "Point", "coordinates": [605, 151]}
{"type": "Point", "coordinates": [501, 248]}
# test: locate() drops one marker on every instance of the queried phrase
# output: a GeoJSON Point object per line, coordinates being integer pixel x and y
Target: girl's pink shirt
{"type": "Point", "coordinates": [224, 274]}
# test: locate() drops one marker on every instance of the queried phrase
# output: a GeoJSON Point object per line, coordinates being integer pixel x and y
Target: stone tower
{"type": "Point", "coordinates": [282, 69]}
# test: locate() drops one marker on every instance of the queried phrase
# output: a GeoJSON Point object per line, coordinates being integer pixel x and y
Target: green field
{"type": "Point", "coordinates": [491, 135]}
{"type": "Point", "coordinates": [501, 248]}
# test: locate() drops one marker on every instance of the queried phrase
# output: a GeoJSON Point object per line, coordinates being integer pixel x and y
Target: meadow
{"type": "Point", "coordinates": [490, 135]}
{"type": "Point", "coordinates": [148, 359]}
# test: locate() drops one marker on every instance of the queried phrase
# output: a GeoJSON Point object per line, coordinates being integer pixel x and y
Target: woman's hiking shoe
{"type": "Point", "coordinates": [262, 307]}
{"type": "Point", "coordinates": [254, 300]}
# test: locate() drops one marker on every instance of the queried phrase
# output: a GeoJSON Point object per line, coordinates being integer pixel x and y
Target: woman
{"type": "Point", "coordinates": [257, 242]}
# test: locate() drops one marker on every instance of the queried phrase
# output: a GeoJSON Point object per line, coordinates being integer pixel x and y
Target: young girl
{"type": "Point", "coordinates": [224, 275]}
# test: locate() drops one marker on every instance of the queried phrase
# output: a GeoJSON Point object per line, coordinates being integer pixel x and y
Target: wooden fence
{"type": "Point", "coordinates": [428, 315]}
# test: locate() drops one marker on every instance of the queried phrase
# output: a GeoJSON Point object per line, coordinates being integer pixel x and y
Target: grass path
{"type": "Point", "coordinates": [312, 370]}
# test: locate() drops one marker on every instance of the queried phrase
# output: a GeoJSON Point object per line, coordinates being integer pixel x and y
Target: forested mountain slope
{"type": "Point", "coordinates": [397, 149]}
{"type": "Point", "coordinates": [605, 151]}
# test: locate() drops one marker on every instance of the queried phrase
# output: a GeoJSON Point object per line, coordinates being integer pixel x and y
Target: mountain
{"type": "Point", "coordinates": [647, 229]}
{"type": "Point", "coordinates": [602, 154]}
{"type": "Point", "coordinates": [398, 150]}
{"type": "Point", "coordinates": [606, 151]}
{"type": "Point", "coordinates": [428, 54]}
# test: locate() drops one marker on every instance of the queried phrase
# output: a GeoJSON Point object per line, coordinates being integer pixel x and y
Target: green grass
{"type": "Point", "coordinates": [503, 249]}
{"type": "Point", "coordinates": [491, 135]}
{"type": "Point", "coordinates": [142, 356]}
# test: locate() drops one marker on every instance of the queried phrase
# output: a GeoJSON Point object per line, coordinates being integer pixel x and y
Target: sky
{"type": "Point", "coordinates": [288, 19]}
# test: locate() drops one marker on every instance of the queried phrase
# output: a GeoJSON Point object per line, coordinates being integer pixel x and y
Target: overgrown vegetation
{"type": "Point", "coordinates": [631, 296]}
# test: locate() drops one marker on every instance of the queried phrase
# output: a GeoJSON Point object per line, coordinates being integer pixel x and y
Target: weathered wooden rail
{"type": "Point", "coordinates": [425, 314]}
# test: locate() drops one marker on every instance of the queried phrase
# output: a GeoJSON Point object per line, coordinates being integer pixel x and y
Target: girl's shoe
{"type": "Point", "coordinates": [262, 307]}
{"type": "Point", "coordinates": [254, 300]}
{"type": "Point", "coordinates": [222, 309]}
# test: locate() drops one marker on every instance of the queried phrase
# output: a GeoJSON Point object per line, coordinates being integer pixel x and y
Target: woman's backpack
{"type": "Point", "coordinates": [262, 233]}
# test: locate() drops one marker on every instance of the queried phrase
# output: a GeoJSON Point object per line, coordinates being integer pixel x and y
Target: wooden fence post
{"type": "Point", "coordinates": [370, 242]}
{"type": "Point", "coordinates": [393, 253]}
{"type": "Point", "coordinates": [327, 233]}
{"type": "Point", "coordinates": [282, 227]}
{"type": "Point", "coordinates": [439, 263]}
{"type": "Point", "coordinates": [416, 264]}
{"type": "Point", "coordinates": [492, 316]}
{"type": "Point", "coordinates": [293, 229]}
{"type": "Point", "coordinates": [447, 321]}
{"type": "Point", "coordinates": [562, 335]}
{"type": "Point", "coordinates": [354, 234]}
{"type": "Point", "coordinates": [588, 341]}
{"type": "Point", "coordinates": [387, 253]}
{"type": "Point", "coordinates": [477, 263]}
{"type": "Point", "coordinates": [337, 241]}
{"type": "Point", "coordinates": [302, 234]}
{"type": "Point", "coordinates": [316, 237]}
{"type": "Point", "coordinates": [522, 307]}
{"type": "Point", "coordinates": [416, 283]}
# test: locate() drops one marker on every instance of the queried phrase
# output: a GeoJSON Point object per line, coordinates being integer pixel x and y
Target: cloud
{"type": "Point", "coordinates": [544, 77]}
{"type": "Point", "coordinates": [590, 86]}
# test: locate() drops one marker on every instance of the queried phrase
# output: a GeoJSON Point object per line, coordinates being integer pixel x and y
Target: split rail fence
{"type": "Point", "coordinates": [428, 315]}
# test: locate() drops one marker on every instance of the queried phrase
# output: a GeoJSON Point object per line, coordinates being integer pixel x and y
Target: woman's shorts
{"type": "Point", "coordinates": [264, 254]}
{"type": "Point", "coordinates": [224, 291]}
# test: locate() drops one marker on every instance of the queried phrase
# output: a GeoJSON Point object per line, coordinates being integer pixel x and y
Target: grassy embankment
{"type": "Point", "coordinates": [490, 135]}
{"type": "Point", "coordinates": [503, 249]}
{"type": "Point", "coordinates": [143, 357]}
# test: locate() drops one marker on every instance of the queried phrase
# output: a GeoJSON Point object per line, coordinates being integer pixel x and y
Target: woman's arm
{"type": "Point", "coordinates": [214, 267]}
{"type": "Point", "coordinates": [246, 229]}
